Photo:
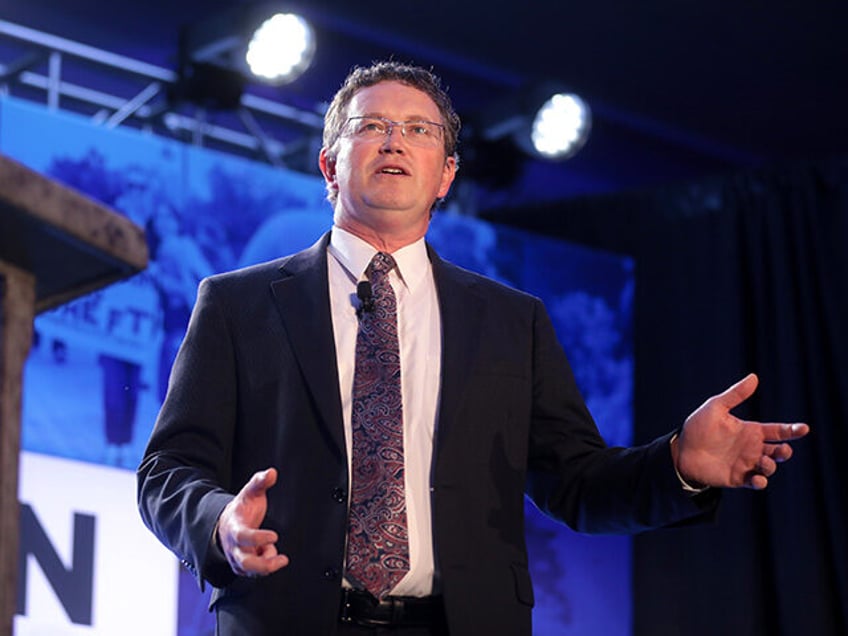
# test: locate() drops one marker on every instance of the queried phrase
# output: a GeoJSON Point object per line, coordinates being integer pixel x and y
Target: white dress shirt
{"type": "Point", "coordinates": [420, 340]}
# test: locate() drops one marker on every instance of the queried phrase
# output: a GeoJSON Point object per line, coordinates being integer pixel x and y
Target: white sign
{"type": "Point", "coordinates": [111, 575]}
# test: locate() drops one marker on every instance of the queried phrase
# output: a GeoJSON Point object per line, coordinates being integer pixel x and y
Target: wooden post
{"type": "Point", "coordinates": [17, 306]}
{"type": "Point", "coordinates": [55, 245]}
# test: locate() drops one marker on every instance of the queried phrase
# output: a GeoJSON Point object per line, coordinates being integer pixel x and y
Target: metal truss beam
{"type": "Point", "coordinates": [115, 90]}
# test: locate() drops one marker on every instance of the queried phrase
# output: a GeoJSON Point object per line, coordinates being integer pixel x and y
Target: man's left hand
{"type": "Point", "coordinates": [717, 449]}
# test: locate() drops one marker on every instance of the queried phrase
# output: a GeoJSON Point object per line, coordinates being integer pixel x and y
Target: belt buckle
{"type": "Point", "coordinates": [347, 613]}
{"type": "Point", "coordinates": [354, 615]}
{"type": "Point", "coordinates": [344, 614]}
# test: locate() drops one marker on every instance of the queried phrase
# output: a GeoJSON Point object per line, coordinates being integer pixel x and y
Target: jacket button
{"type": "Point", "coordinates": [339, 495]}
{"type": "Point", "coordinates": [331, 573]}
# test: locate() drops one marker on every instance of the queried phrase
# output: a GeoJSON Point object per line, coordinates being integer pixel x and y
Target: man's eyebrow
{"type": "Point", "coordinates": [408, 118]}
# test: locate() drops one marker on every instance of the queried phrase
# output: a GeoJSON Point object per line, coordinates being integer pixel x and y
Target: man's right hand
{"type": "Point", "coordinates": [250, 551]}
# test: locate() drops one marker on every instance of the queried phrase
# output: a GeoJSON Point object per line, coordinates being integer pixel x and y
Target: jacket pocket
{"type": "Point", "coordinates": [523, 584]}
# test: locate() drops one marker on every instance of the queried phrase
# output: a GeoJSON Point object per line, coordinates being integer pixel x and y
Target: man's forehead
{"type": "Point", "coordinates": [392, 97]}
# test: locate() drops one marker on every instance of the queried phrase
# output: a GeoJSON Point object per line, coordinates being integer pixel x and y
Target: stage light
{"type": "Point", "coordinates": [263, 42]}
{"type": "Point", "coordinates": [545, 121]}
{"type": "Point", "coordinates": [281, 49]}
{"type": "Point", "coordinates": [561, 126]}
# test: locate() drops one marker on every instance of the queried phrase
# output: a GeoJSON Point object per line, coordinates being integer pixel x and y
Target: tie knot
{"type": "Point", "coordinates": [380, 265]}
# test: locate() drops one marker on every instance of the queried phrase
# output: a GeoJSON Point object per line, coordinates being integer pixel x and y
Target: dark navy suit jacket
{"type": "Point", "coordinates": [256, 385]}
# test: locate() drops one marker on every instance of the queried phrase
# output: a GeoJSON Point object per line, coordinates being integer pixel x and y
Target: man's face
{"type": "Point", "coordinates": [388, 184]}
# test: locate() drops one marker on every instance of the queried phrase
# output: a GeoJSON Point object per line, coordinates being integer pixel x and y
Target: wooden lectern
{"type": "Point", "coordinates": [55, 245]}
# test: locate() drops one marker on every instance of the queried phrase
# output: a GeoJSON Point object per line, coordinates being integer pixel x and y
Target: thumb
{"type": "Point", "coordinates": [260, 482]}
{"type": "Point", "coordinates": [739, 392]}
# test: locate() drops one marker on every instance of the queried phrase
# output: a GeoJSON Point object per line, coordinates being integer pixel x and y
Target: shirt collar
{"type": "Point", "coordinates": [354, 254]}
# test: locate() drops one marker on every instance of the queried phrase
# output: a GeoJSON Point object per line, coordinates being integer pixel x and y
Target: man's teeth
{"type": "Point", "coordinates": [392, 170]}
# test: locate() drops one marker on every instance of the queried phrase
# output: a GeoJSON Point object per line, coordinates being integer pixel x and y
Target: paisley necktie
{"type": "Point", "coordinates": [378, 543]}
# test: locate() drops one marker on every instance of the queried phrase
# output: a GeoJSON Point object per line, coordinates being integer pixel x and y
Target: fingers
{"type": "Point", "coordinates": [254, 540]}
{"type": "Point", "coordinates": [783, 432]}
{"type": "Point", "coordinates": [254, 553]}
{"type": "Point", "coordinates": [264, 564]}
{"type": "Point", "coordinates": [255, 565]}
{"type": "Point", "coordinates": [758, 482]}
{"type": "Point", "coordinates": [778, 452]}
{"type": "Point", "coordinates": [759, 476]}
{"type": "Point", "coordinates": [766, 466]}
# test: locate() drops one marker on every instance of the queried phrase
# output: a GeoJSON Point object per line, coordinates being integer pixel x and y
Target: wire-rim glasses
{"type": "Point", "coordinates": [417, 132]}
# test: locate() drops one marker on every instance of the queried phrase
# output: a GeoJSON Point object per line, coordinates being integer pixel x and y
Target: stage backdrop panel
{"type": "Point", "coordinates": [99, 368]}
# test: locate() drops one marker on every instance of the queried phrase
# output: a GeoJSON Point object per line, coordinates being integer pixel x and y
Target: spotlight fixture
{"type": "Point", "coordinates": [545, 121]}
{"type": "Point", "coordinates": [281, 48]}
{"type": "Point", "coordinates": [560, 127]}
{"type": "Point", "coordinates": [263, 41]}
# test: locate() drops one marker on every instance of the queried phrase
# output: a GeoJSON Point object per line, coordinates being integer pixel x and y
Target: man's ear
{"type": "Point", "coordinates": [327, 164]}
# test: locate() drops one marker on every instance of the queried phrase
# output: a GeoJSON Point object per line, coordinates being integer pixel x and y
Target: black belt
{"type": "Point", "coordinates": [361, 608]}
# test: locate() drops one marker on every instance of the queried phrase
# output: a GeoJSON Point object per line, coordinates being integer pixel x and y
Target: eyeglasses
{"type": "Point", "coordinates": [426, 134]}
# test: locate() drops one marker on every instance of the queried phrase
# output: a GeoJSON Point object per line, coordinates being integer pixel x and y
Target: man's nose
{"type": "Point", "coordinates": [394, 139]}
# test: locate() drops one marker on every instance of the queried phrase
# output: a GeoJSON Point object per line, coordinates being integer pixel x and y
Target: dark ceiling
{"type": "Point", "coordinates": [679, 90]}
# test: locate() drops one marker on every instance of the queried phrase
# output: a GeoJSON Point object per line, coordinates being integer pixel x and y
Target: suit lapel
{"type": "Point", "coordinates": [303, 299]}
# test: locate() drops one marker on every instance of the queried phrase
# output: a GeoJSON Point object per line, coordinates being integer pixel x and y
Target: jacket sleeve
{"type": "Point", "coordinates": [575, 477]}
{"type": "Point", "coordinates": [183, 479]}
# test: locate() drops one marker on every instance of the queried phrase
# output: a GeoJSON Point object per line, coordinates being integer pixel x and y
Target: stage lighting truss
{"type": "Point", "coordinates": [115, 90]}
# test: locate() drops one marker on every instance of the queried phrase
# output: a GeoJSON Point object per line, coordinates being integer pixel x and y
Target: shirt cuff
{"type": "Point", "coordinates": [687, 487]}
